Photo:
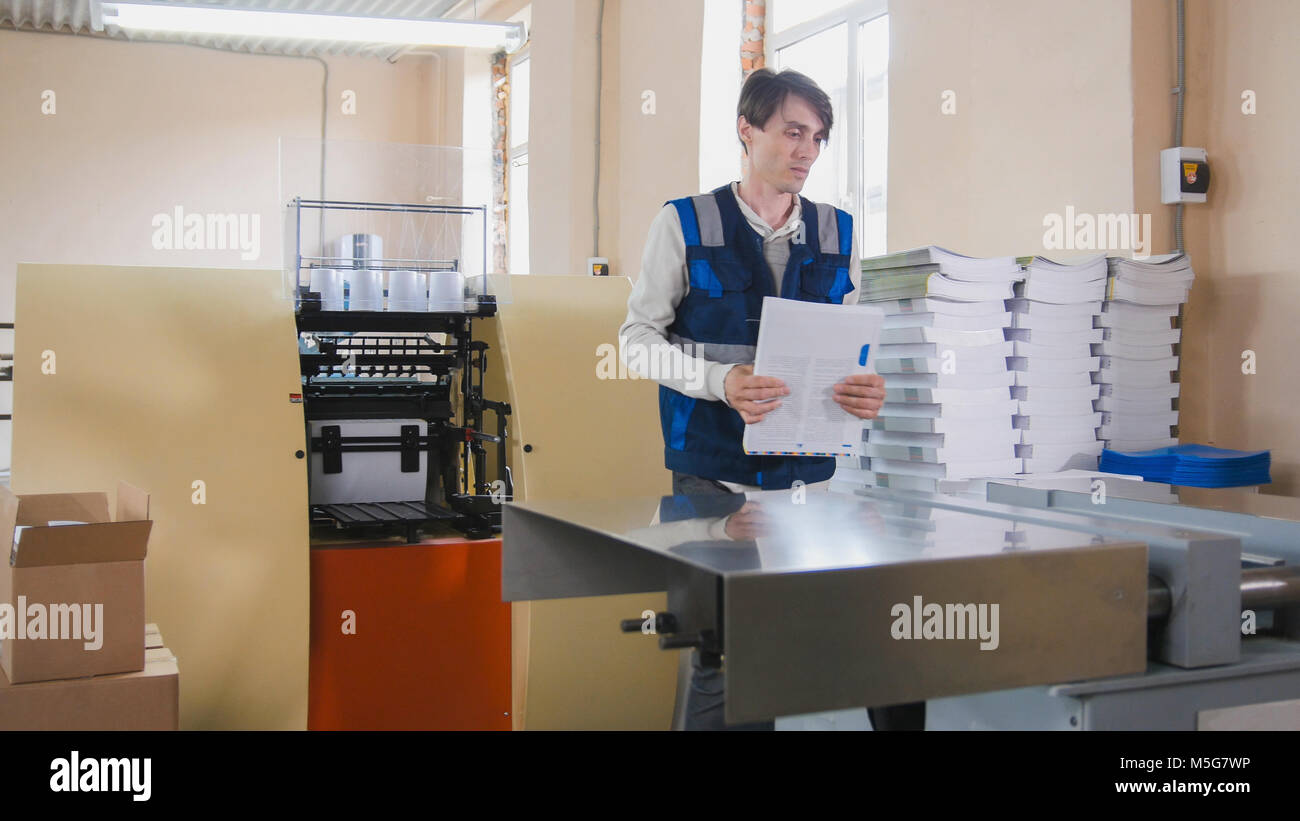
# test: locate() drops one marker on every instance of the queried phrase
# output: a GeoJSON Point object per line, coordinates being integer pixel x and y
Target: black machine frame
{"type": "Point", "coordinates": [361, 345]}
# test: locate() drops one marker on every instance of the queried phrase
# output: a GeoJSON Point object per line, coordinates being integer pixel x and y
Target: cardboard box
{"type": "Point", "coordinates": [146, 700]}
{"type": "Point", "coordinates": [83, 583]}
{"type": "Point", "coordinates": [152, 637]}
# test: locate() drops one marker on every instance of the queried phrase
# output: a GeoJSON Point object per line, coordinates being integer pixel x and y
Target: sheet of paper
{"type": "Point", "coordinates": [812, 346]}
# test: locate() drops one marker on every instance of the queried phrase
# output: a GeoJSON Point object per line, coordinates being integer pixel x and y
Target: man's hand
{"type": "Point", "coordinates": [861, 394]}
{"type": "Point", "coordinates": [744, 389]}
{"type": "Point", "coordinates": [748, 523]}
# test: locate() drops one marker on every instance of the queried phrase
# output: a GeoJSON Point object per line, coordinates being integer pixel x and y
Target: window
{"type": "Point", "coordinates": [844, 47]}
{"type": "Point", "coordinates": [477, 184]}
{"type": "Point", "coordinates": [789, 13]}
{"type": "Point", "coordinates": [824, 57]}
{"type": "Point", "coordinates": [720, 78]}
{"type": "Point", "coordinates": [517, 163]}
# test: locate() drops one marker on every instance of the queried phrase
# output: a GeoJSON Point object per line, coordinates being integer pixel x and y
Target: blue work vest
{"type": "Point", "coordinates": [718, 320]}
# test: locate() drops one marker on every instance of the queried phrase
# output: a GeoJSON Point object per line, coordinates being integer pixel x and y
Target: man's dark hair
{"type": "Point", "coordinates": [765, 91]}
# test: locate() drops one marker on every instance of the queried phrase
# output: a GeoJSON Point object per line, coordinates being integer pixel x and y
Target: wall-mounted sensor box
{"type": "Point", "coordinates": [1184, 175]}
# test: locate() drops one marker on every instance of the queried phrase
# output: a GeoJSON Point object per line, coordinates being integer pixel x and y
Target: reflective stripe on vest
{"type": "Point", "coordinates": [715, 352]}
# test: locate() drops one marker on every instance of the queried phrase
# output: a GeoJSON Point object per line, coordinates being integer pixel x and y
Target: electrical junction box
{"type": "Point", "coordinates": [1184, 175]}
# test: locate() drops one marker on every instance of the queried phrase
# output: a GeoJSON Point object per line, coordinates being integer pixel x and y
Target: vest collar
{"type": "Point", "coordinates": [750, 215]}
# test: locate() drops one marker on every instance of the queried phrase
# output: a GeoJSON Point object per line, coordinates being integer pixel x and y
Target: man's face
{"type": "Point", "coordinates": [782, 153]}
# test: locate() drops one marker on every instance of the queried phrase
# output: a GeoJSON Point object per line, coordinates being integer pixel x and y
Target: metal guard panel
{"type": "Point", "coordinates": [806, 642]}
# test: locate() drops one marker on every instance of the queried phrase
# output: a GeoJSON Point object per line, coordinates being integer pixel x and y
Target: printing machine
{"type": "Point", "coordinates": [1116, 607]}
{"type": "Point", "coordinates": [386, 448]}
{"type": "Point", "coordinates": [393, 399]}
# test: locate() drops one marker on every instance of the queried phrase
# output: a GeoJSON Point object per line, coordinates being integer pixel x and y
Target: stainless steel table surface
{"type": "Point", "coordinates": [806, 611]}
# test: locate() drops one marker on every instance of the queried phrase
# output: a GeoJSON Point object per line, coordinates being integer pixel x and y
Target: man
{"type": "Point", "coordinates": [709, 260]}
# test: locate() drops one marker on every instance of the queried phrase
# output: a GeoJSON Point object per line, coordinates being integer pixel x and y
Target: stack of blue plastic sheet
{"type": "Point", "coordinates": [1192, 465]}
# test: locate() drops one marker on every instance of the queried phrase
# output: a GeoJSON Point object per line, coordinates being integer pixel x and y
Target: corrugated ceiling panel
{"type": "Point", "coordinates": [74, 16]}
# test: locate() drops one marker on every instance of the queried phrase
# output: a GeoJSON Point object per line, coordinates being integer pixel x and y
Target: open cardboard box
{"type": "Point", "coordinates": [97, 566]}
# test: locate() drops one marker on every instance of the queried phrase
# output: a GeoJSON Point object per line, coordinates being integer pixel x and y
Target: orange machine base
{"type": "Point", "coordinates": [431, 648]}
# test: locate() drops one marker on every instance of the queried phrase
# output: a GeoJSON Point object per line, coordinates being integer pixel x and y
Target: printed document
{"type": "Point", "coordinates": [812, 347]}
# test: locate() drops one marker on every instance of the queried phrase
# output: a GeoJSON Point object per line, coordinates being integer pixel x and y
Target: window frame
{"type": "Point", "coordinates": [515, 153]}
{"type": "Point", "coordinates": [854, 14]}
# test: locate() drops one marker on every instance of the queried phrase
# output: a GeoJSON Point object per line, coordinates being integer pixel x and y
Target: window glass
{"type": "Point", "coordinates": [824, 58]}
{"type": "Point", "coordinates": [787, 13]}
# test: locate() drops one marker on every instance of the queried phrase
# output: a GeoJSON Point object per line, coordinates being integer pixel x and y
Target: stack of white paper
{"type": "Point", "coordinates": [1160, 280]}
{"type": "Point", "coordinates": [1138, 352]}
{"type": "Point", "coordinates": [936, 272]}
{"type": "Point", "coordinates": [1053, 362]}
{"type": "Point", "coordinates": [943, 352]}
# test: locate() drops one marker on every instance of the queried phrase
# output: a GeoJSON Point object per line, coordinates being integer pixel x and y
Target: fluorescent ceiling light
{"type": "Point", "coordinates": [146, 16]}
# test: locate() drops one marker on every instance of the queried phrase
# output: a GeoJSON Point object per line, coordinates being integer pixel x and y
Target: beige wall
{"type": "Point", "coordinates": [658, 154]}
{"type": "Point", "coordinates": [1043, 121]}
{"type": "Point", "coordinates": [1154, 74]}
{"type": "Point", "coordinates": [557, 174]}
{"type": "Point", "coordinates": [645, 159]}
{"type": "Point", "coordinates": [143, 127]}
{"type": "Point", "coordinates": [1247, 291]}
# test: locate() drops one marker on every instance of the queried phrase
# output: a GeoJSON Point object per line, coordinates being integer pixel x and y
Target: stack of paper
{"type": "Point", "coordinates": [943, 353]}
{"type": "Point", "coordinates": [1138, 351]}
{"type": "Point", "coordinates": [1160, 280]}
{"type": "Point", "coordinates": [1193, 465]}
{"type": "Point", "coordinates": [936, 272]}
{"type": "Point", "coordinates": [1053, 336]}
